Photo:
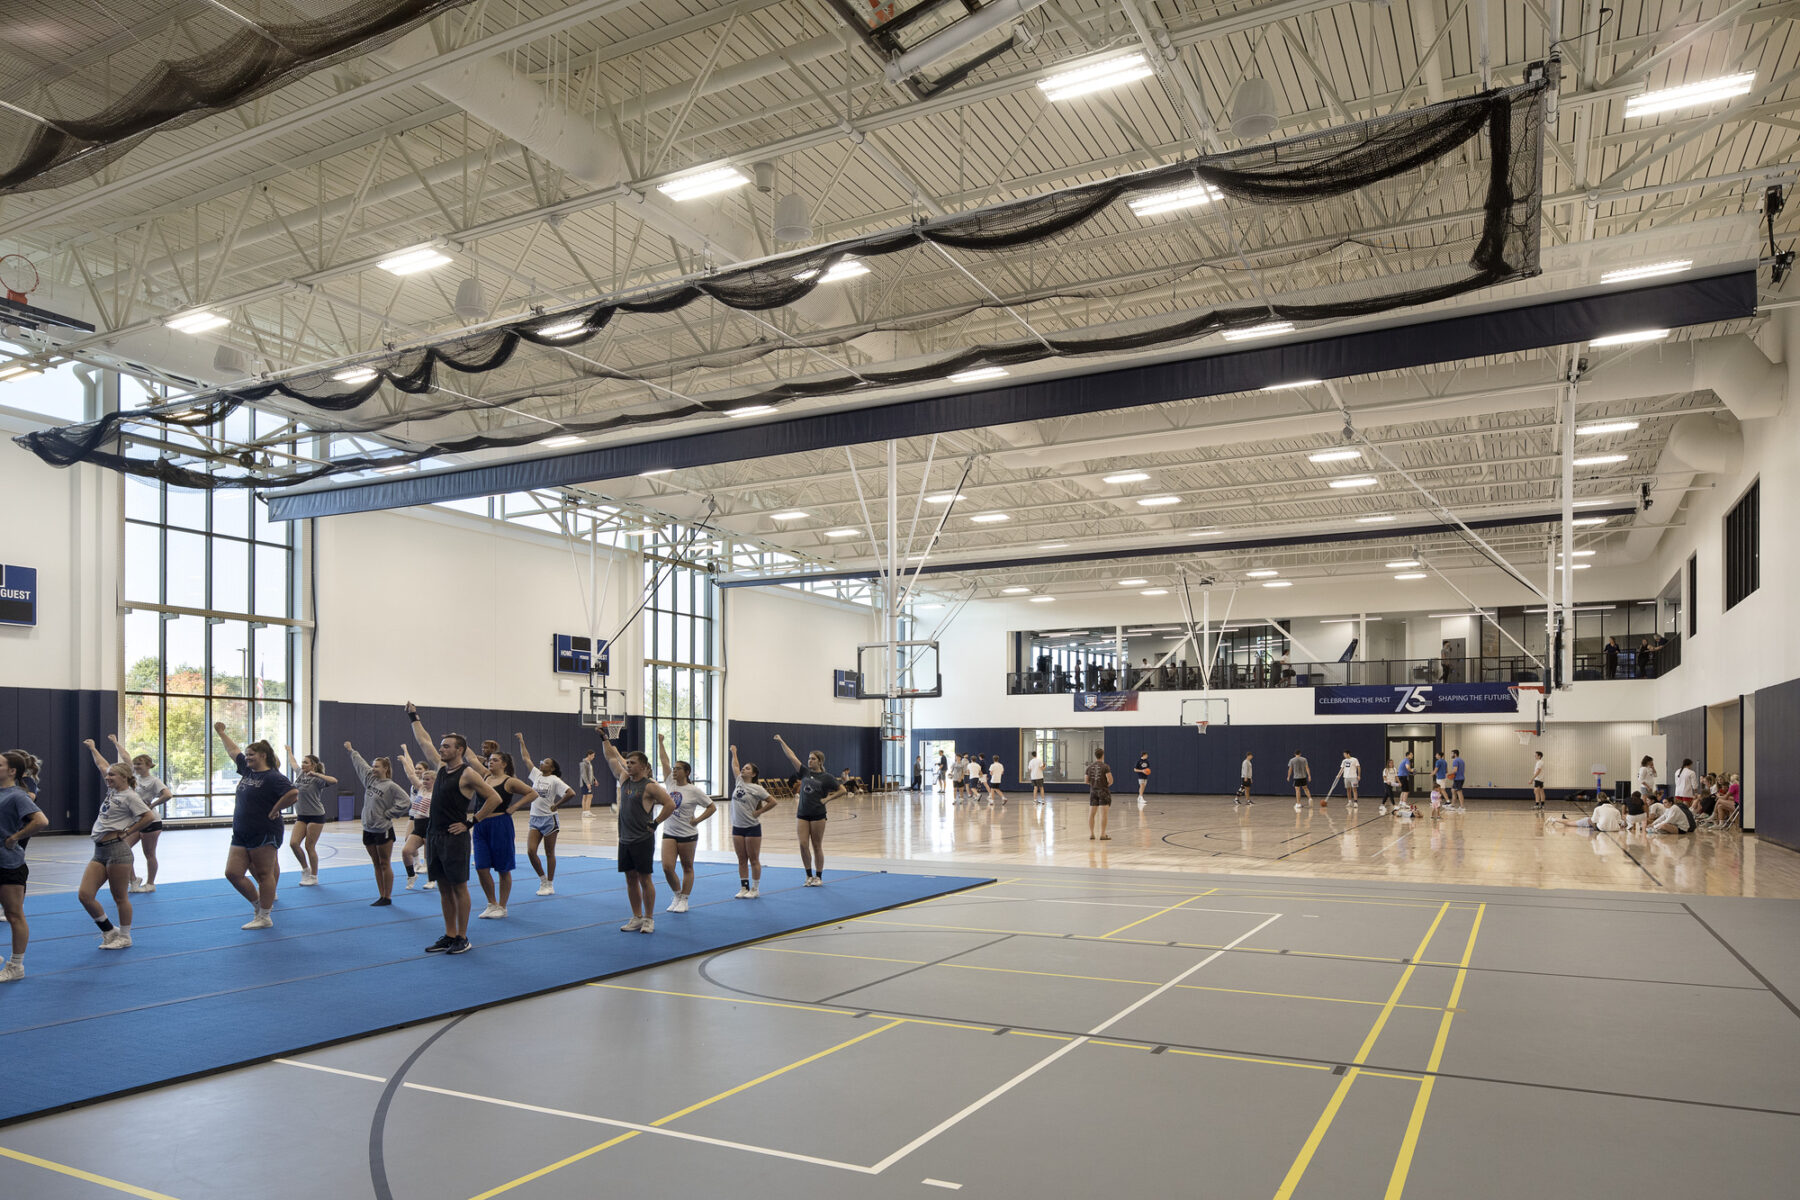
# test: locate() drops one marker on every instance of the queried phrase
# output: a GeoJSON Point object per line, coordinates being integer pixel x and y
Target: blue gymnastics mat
{"type": "Point", "coordinates": [196, 994]}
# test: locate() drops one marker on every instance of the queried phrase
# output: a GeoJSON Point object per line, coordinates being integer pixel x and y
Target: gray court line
{"type": "Point", "coordinates": [1760, 977]}
{"type": "Point", "coordinates": [1620, 843]}
{"type": "Point", "coordinates": [1323, 840]}
{"type": "Point", "coordinates": [378, 1178]}
{"type": "Point", "coordinates": [896, 975]}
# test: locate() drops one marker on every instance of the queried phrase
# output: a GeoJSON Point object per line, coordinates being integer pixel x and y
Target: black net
{"type": "Point", "coordinates": [228, 62]}
{"type": "Point", "coordinates": [1075, 235]}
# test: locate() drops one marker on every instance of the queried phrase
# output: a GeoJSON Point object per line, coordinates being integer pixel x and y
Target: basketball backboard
{"type": "Point", "coordinates": [898, 671]}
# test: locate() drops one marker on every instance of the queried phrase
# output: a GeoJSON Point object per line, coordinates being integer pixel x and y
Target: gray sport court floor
{"type": "Point", "coordinates": [1058, 1033]}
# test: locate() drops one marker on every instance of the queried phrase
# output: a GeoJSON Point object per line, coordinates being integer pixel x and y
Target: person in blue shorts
{"type": "Point", "coordinates": [20, 817]}
{"type": "Point", "coordinates": [263, 793]}
{"type": "Point", "coordinates": [496, 842]}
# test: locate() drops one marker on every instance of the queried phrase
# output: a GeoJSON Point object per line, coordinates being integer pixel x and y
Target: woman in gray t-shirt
{"type": "Point", "coordinates": [313, 784]}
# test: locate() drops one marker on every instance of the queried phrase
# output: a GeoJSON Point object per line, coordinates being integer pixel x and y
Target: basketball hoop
{"type": "Point", "coordinates": [611, 727]}
{"type": "Point", "coordinates": [1525, 736]}
{"type": "Point", "coordinates": [18, 276]}
{"type": "Point", "coordinates": [1201, 726]}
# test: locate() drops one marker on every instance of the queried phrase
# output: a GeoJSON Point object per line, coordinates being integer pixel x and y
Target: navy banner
{"type": "Point", "coordinates": [1090, 702]}
{"type": "Point", "coordinates": [1436, 698]}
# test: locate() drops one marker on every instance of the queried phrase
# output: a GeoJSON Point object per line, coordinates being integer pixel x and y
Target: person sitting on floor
{"type": "Point", "coordinates": [1637, 813]}
{"type": "Point", "coordinates": [1676, 817]}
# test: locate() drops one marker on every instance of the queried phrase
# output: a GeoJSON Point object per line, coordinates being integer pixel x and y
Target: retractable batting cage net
{"type": "Point", "coordinates": [1009, 284]}
{"type": "Point", "coordinates": [52, 135]}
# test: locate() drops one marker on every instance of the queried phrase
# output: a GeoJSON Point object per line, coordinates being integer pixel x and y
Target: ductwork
{"type": "Point", "coordinates": [1711, 443]}
{"type": "Point", "coordinates": [1741, 376]}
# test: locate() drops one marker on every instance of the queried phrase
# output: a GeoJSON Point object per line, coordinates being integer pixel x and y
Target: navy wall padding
{"type": "Point", "coordinates": [855, 747]}
{"type": "Point", "coordinates": [1686, 732]}
{"type": "Point", "coordinates": [1472, 334]}
{"type": "Point", "coordinates": [376, 729]}
{"type": "Point", "coordinates": [51, 723]}
{"type": "Point", "coordinates": [1778, 763]}
{"type": "Point", "coordinates": [1183, 761]}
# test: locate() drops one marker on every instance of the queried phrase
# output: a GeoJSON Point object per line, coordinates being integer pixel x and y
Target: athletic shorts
{"type": "Point", "coordinates": [1301, 781]}
{"type": "Point", "coordinates": [14, 876]}
{"type": "Point", "coordinates": [812, 814]}
{"type": "Point", "coordinates": [746, 831]}
{"type": "Point", "coordinates": [309, 818]}
{"type": "Point", "coordinates": [115, 851]}
{"type": "Point", "coordinates": [1405, 783]}
{"type": "Point", "coordinates": [546, 825]}
{"type": "Point", "coordinates": [1096, 800]}
{"type": "Point", "coordinates": [255, 841]}
{"type": "Point", "coordinates": [635, 857]}
{"type": "Point", "coordinates": [152, 827]}
{"type": "Point", "coordinates": [681, 839]}
{"type": "Point", "coordinates": [421, 824]}
{"type": "Point", "coordinates": [378, 837]}
{"type": "Point", "coordinates": [447, 857]}
{"type": "Point", "coordinates": [494, 849]}
{"type": "Point", "coordinates": [1246, 782]}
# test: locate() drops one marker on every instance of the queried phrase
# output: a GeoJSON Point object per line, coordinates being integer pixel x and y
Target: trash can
{"type": "Point", "coordinates": [1621, 790]}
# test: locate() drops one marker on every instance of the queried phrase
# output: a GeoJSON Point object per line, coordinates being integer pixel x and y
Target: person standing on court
{"type": "Point", "coordinates": [996, 773]}
{"type": "Point", "coordinates": [1537, 782]}
{"type": "Point", "coordinates": [587, 781]}
{"type": "Point", "coordinates": [20, 817]}
{"type": "Point", "coordinates": [1099, 781]}
{"type": "Point", "coordinates": [1687, 782]}
{"type": "Point", "coordinates": [1403, 776]}
{"type": "Point", "coordinates": [262, 793]}
{"type": "Point", "coordinates": [1034, 770]}
{"type": "Point", "coordinates": [1647, 779]}
{"type": "Point", "coordinates": [1300, 775]}
{"type": "Point", "coordinates": [1142, 771]}
{"type": "Point", "coordinates": [1440, 775]}
{"type": "Point", "coordinates": [1458, 769]}
{"type": "Point", "coordinates": [122, 814]}
{"type": "Point", "coordinates": [1351, 772]}
{"type": "Point", "coordinates": [1244, 773]}
{"type": "Point", "coordinates": [449, 841]}
{"type": "Point", "coordinates": [818, 787]}
{"type": "Point", "coordinates": [643, 805]}
{"type": "Point", "coordinates": [943, 768]}
{"type": "Point", "coordinates": [309, 813]}
{"type": "Point", "coordinates": [682, 834]}
{"type": "Point", "coordinates": [383, 800]}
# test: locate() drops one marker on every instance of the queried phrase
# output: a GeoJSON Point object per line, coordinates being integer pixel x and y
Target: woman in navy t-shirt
{"type": "Point", "coordinates": [262, 793]}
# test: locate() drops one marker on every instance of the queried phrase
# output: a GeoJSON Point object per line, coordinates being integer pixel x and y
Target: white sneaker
{"type": "Point", "coordinates": [118, 939]}
{"type": "Point", "coordinates": [743, 893]}
{"type": "Point", "coordinates": [1382, 810]}
{"type": "Point", "coordinates": [431, 885]}
{"type": "Point", "coordinates": [632, 926]}
{"type": "Point", "coordinates": [136, 881]}
{"type": "Point", "coordinates": [490, 912]}
{"type": "Point", "coordinates": [11, 971]}
{"type": "Point", "coordinates": [649, 925]}
{"type": "Point", "coordinates": [412, 881]}
{"type": "Point", "coordinates": [1296, 806]}
{"type": "Point", "coordinates": [755, 890]}
{"type": "Point", "coordinates": [546, 888]}
{"type": "Point", "coordinates": [678, 904]}
{"type": "Point", "coordinates": [308, 879]}
{"type": "Point", "coordinates": [261, 920]}
{"type": "Point", "coordinates": [108, 937]}
{"type": "Point", "coordinates": [141, 887]}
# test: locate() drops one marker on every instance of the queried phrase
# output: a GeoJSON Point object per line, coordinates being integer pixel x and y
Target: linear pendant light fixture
{"type": "Point", "coordinates": [1690, 95]}
{"type": "Point", "coordinates": [708, 182]}
{"type": "Point", "coordinates": [1190, 195]}
{"type": "Point", "coordinates": [1097, 76]}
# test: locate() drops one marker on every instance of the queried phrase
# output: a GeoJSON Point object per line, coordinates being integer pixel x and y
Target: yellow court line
{"type": "Point", "coordinates": [1304, 1159]}
{"type": "Point", "coordinates": [1410, 1142]}
{"type": "Point", "coordinates": [1270, 1062]}
{"type": "Point", "coordinates": [1201, 987]}
{"type": "Point", "coordinates": [86, 1176]}
{"type": "Point", "coordinates": [675, 1116]}
{"type": "Point", "coordinates": [915, 962]}
{"type": "Point", "coordinates": [939, 1024]}
{"type": "Point", "coordinates": [1154, 915]}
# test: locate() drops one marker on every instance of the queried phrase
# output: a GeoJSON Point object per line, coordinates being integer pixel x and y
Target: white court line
{"type": "Point", "coordinates": [653, 1129]}
{"type": "Point", "coordinates": [1067, 1047]}
{"type": "Point", "coordinates": [943, 1183]}
{"type": "Point", "coordinates": [1188, 908]}
{"type": "Point", "coordinates": [294, 1062]}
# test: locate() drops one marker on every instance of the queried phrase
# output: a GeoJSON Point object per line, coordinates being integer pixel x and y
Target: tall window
{"type": "Point", "coordinates": [680, 680]}
{"type": "Point", "coordinates": [210, 634]}
{"type": "Point", "coordinates": [1743, 546]}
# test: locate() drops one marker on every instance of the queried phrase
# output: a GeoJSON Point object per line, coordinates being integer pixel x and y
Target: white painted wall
{"type": "Point", "coordinates": [64, 522]}
{"type": "Point", "coordinates": [1495, 757]}
{"type": "Point", "coordinates": [782, 646]}
{"type": "Point", "coordinates": [392, 627]}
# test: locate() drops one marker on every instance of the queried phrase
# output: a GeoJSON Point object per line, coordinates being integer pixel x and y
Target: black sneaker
{"type": "Point", "coordinates": [442, 944]}
{"type": "Point", "coordinates": [381, 903]}
{"type": "Point", "coordinates": [461, 945]}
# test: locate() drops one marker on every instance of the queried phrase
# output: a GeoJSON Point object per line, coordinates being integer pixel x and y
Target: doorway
{"type": "Point", "coordinates": [1420, 741]}
{"type": "Point", "coordinates": [930, 750]}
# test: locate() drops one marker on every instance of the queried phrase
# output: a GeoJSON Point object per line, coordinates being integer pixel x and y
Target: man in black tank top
{"type": "Point", "coordinates": [643, 805]}
{"type": "Point", "coordinates": [447, 840]}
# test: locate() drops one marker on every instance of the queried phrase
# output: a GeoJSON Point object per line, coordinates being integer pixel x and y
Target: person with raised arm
{"type": "Point", "coordinates": [383, 800]}
{"type": "Point", "coordinates": [643, 805]}
{"type": "Point", "coordinates": [818, 787]}
{"type": "Point", "coordinates": [551, 791]}
{"type": "Point", "coordinates": [419, 779]}
{"type": "Point", "coordinates": [153, 792]}
{"type": "Point", "coordinates": [309, 812]}
{"type": "Point", "coordinates": [448, 840]}
{"type": "Point", "coordinates": [263, 792]}
{"type": "Point", "coordinates": [20, 817]}
{"type": "Point", "coordinates": [692, 808]}
{"type": "Point", "coordinates": [122, 814]}
{"type": "Point", "coordinates": [496, 842]}
{"type": "Point", "coordinates": [749, 801]}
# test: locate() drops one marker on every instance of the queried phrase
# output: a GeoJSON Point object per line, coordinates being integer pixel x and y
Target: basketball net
{"type": "Point", "coordinates": [1201, 726]}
